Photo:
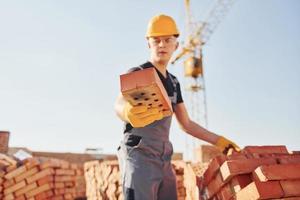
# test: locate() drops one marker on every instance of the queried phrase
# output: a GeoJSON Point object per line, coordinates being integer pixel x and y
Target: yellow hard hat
{"type": "Point", "coordinates": [162, 25]}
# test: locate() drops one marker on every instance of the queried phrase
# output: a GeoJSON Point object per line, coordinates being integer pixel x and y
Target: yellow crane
{"type": "Point", "coordinates": [197, 35]}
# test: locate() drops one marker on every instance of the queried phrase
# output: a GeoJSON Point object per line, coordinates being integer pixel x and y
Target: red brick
{"type": "Point", "coordinates": [39, 175]}
{"type": "Point", "coordinates": [4, 163]}
{"type": "Point", "coordinates": [58, 185]}
{"type": "Point", "coordinates": [234, 167]}
{"type": "Point", "coordinates": [260, 190]}
{"type": "Point", "coordinates": [45, 180]}
{"type": "Point", "coordinates": [59, 191]}
{"type": "Point", "coordinates": [68, 196]}
{"type": "Point", "coordinates": [44, 195]}
{"type": "Point", "coordinates": [22, 197]}
{"type": "Point", "coordinates": [15, 187]}
{"type": "Point", "coordinates": [31, 162]}
{"type": "Point", "coordinates": [70, 190]}
{"type": "Point", "coordinates": [2, 173]}
{"type": "Point", "coordinates": [278, 172]}
{"type": "Point", "coordinates": [74, 166]}
{"type": "Point", "coordinates": [15, 172]}
{"type": "Point", "coordinates": [26, 174]}
{"type": "Point", "coordinates": [8, 183]}
{"type": "Point", "coordinates": [213, 168]}
{"type": "Point", "coordinates": [54, 163]}
{"type": "Point", "coordinates": [10, 168]}
{"type": "Point", "coordinates": [236, 156]}
{"type": "Point", "coordinates": [49, 163]}
{"type": "Point", "coordinates": [240, 181]}
{"type": "Point", "coordinates": [147, 82]}
{"type": "Point", "coordinates": [57, 197]}
{"type": "Point", "coordinates": [63, 178]}
{"type": "Point", "coordinates": [39, 189]}
{"type": "Point", "coordinates": [289, 159]}
{"type": "Point", "coordinates": [265, 149]}
{"type": "Point", "coordinates": [290, 187]}
{"type": "Point", "coordinates": [9, 197]}
{"type": "Point", "coordinates": [41, 196]}
{"type": "Point", "coordinates": [216, 163]}
{"type": "Point", "coordinates": [79, 172]}
{"type": "Point", "coordinates": [25, 189]}
{"type": "Point", "coordinates": [64, 172]}
{"type": "Point", "coordinates": [225, 193]}
{"type": "Point", "coordinates": [199, 182]}
{"type": "Point", "coordinates": [215, 185]}
{"type": "Point", "coordinates": [71, 184]}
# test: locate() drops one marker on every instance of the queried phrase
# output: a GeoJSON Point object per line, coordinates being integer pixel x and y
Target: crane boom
{"type": "Point", "coordinates": [215, 16]}
{"type": "Point", "coordinates": [199, 34]}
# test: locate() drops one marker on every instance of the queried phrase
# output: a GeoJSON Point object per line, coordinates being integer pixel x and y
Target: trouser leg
{"type": "Point", "coordinates": [167, 188]}
{"type": "Point", "coordinates": [142, 174]}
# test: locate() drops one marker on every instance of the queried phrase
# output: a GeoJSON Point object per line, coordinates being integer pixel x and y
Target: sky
{"type": "Point", "coordinates": [60, 63]}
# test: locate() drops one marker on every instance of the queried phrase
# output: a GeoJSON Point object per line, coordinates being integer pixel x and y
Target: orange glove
{"type": "Point", "coordinates": [140, 116]}
{"type": "Point", "coordinates": [225, 145]}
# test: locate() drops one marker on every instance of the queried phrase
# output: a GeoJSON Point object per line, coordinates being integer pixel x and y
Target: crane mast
{"type": "Point", "coordinates": [197, 35]}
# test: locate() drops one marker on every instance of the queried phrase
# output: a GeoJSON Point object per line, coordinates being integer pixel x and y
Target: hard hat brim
{"type": "Point", "coordinates": [161, 34]}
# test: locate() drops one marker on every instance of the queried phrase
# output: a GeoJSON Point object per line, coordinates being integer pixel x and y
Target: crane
{"type": "Point", "coordinates": [198, 34]}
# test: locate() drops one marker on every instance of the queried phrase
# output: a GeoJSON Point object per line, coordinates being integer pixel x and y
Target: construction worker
{"type": "Point", "coordinates": [145, 151]}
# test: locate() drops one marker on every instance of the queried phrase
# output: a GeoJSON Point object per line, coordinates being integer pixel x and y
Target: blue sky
{"type": "Point", "coordinates": [60, 63]}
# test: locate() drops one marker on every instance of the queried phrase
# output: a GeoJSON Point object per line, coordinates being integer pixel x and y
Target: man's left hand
{"type": "Point", "coordinates": [225, 145]}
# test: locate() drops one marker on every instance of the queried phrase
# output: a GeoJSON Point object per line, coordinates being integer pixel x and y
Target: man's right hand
{"type": "Point", "coordinates": [140, 116]}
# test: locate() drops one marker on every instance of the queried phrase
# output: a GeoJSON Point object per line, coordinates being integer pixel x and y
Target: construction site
{"type": "Point", "coordinates": [74, 126]}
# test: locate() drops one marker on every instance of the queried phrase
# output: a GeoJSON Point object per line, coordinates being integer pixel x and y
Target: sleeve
{"type": "Point", "coordinates": [179, 95]}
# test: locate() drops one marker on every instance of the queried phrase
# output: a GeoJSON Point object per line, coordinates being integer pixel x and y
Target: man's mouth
{"type": "Point", "coordinates": [162, 52]}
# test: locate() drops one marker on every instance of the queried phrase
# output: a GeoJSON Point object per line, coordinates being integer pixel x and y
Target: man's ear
{"type": "Point", "coordinates": [177, 45]}
{"type": "Point", "coordinates": [148, 42]}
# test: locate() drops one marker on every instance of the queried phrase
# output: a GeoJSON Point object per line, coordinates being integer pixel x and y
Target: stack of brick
{"type": "Point", "coordinates": [42, 178]}
{"type": "Point", "coordinates": [257, 172]}
{"type": "Point", "coordinates": [179, 167]}
{"type": "Point", "coordinates": [186, 180]}
{"type": "Point", "coordinates": [103, 180]}
{"type": "Point", "coordinates": [5, 161]}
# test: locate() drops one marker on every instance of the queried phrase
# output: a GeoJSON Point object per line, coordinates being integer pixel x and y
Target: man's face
{"type": "Point", "coordinates": [162, 47]}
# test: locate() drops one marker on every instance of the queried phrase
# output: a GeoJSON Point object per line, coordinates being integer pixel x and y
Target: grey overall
{"type": "Point", "coordinates": [145, 166]}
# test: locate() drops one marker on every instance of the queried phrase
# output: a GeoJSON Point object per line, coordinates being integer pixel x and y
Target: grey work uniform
{"type": "Point", "coordinates": [145, 153]}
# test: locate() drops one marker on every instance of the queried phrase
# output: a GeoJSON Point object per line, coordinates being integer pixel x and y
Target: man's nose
{"type": "Point", "coordinates": [161, 43]}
